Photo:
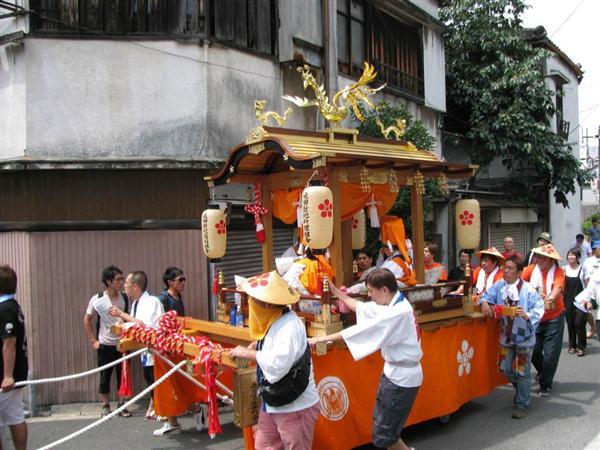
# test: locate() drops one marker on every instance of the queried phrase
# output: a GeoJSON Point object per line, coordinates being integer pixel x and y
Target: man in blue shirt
{"type": "Point", "coordinates": [594, 230]}
{"type": "Point", "coordinates": [517, 336]}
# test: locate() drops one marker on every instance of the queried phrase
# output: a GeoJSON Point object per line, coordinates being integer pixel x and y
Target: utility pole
{"type": "Point", "coordinates": [596, 136]}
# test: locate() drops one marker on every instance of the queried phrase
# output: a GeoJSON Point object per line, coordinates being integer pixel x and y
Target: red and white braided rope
{"type": "Point", "coordinates": [169, 339]}
{"type": "Point", "coordinates": [256, 207]}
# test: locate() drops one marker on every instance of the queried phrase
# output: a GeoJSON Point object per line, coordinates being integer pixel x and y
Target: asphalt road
{"type": "Point", "coordinates": [568, 419]}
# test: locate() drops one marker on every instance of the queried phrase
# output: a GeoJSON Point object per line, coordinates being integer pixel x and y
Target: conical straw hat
{"type": "Point", "coordinates": [547, 250]}
{"type": "Point", "coordinates": [491, 251]}
{"type": "Point", "coordinates": [271, 288]}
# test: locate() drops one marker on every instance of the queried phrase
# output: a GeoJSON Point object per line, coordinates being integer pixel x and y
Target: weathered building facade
{"type": "Point", "coordinates": [112, 113]}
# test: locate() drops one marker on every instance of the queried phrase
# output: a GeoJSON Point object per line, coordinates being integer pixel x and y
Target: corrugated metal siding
{"type": "Point", "coordinates": [65, 273]}
{"type": "Point", "coordinates": [244, 254]}
{"type": "Point", "coordinates": [14, 251]}
{"type": "Point", "coordinates": [518, 231]}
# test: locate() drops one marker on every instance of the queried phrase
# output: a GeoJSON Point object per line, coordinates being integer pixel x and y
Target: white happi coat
{"type": "Point", "coordinates": [393, 330]}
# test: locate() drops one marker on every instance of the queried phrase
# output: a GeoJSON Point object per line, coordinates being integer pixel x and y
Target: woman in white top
{"type": "Point", "coordinates": [574, 315]}
{"type": "Point", "coordinates": [388, 324]}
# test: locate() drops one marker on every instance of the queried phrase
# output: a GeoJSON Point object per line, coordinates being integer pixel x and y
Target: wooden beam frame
{"type": "Point", "coordinates": [267, 220]}
{"type": "Point", "coordinates": [336, 249]}
{"type": "Point", "coordinates": [418, 232]}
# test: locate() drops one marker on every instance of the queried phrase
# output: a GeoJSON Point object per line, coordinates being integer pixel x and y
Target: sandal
{"type": "Point", "coordinates": [125, 412]}
{"type": "Point", "coordinates": [572, 350]}
{"type": "Point", "coordinates": [580, 352]}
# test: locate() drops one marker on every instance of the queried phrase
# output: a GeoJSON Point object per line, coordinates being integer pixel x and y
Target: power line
{"type": "Point", "coordinates": [568, 17]}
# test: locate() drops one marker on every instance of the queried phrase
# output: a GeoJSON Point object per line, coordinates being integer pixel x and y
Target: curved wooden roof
{"type": "Point", "coordinates": [283, 149]}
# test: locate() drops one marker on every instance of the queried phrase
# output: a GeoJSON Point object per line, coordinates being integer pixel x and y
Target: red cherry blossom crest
{"type": "Point", "coordinates": [466, 218]}
{"type": "Point", "coordinates": [326, 208]}
{"type": "Point", "coordinates": [261, 280]}
{"type": "Point", "coordinates": [220, 226]}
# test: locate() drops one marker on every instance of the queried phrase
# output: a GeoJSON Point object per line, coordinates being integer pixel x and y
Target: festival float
{"type": "Point", "coordinates": [330, 183]}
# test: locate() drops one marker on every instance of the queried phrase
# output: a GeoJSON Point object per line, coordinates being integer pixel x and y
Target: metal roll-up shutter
{"type": "Point", "coordinates": [518, 231]}
{"type": "Point", "coordinates": [244, 254]}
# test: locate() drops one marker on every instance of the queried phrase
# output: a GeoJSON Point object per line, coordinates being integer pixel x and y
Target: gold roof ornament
{"type": "Point", "coordinates": [263, 117]}
{"type": "Point", "coordinates": [349, 97]}
{"type": "Point", "coordinates": [397, 130]}
{"type": "Point", "coordinates": [258, 133]}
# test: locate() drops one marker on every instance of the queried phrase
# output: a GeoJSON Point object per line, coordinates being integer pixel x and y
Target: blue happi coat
{"type": "Point", "coordinates": [523, 331]}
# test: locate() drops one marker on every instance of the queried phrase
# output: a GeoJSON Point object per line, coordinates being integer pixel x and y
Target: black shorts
{"type": "Point", "coordinates": [392, 408]}
{"type": "Point", "coordinates": [108, 354]}
{"type": "Point", "coordinates": [149, 377]}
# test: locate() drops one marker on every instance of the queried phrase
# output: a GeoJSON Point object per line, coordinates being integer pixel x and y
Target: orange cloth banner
{"type": "Point", "coordinates": [283, 204]}
{"type": "Point", "coordinates": [459, 364]}
{"type": "Point", "coordinates": [176, 394]}
{"type": "Point", "coordinates": [352, 200]}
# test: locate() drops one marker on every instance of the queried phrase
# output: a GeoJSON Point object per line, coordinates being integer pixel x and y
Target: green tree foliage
{"type": "Point", "coordinates": [495, 84]}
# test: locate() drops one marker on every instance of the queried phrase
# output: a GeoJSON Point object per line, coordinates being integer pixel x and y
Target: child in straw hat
{"type": "Point", "coordinates": [281, 344]}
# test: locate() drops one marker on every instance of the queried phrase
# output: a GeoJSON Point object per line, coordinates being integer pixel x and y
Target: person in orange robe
{"type": "Point", "coordinates": [315, 266]}
{"type": "Point", "coordinates": [398, 262]}
{"type": "Point", "coordinates": [548, 279]}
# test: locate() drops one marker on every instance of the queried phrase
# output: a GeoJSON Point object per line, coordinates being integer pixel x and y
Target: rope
{"type": "Point", "coordinates": [225, 398]}
{"type": "Point", "coordinates": [78, 375]}
{"type": "Point", "coordinates": [116, 411]}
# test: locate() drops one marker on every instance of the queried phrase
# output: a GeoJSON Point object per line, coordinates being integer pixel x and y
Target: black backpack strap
{"type": "Point", "coordinates": [126, 300]}
{"type": "Point", "coordinates": [100, 294]}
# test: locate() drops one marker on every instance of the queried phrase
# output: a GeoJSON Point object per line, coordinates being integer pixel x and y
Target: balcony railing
{"type": "Point", "coordinates": [401, 81]}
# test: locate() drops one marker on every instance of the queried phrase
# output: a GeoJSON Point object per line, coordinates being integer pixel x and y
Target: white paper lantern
{"type": "Point", "coordinates": [359, 230]}
{"type": "Point", "coordinates": [317, 216]}
{"type": "Point", "coordinates": [214, 233]}
{"type": "Point", "coordinates": [468, 224]}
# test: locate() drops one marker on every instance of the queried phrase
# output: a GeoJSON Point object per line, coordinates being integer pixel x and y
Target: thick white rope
{"type": "Point", "coordinates": [224, 398]}
{"type": "Point", "coordinates": [116, 411]}
{"type": "Point", "coordinates": [81, 374]}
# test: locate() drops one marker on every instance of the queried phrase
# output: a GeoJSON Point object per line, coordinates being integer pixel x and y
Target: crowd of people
{"type": "Point", "coordinates": [541, 298]}
{"type": "Point", "coordinates": [126, 299]}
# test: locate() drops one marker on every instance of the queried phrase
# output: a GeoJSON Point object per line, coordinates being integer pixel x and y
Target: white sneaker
{"type": "Point", "coordinates": [167, 428]}
{"type": "Point", "coordinates": [200, 418]}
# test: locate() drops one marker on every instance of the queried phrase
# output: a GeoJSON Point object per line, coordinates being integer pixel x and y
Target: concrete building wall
{"type": "Point", "coordinates": [434, 69]}
{"type": "Point", "coordinates": [100, 98]}
{"type": "Point", "coordinates": [565, 223]}
{"type": "Point", "coordinates": [13, 104]}
{"type": "Point", "coordinates": [300, 20]}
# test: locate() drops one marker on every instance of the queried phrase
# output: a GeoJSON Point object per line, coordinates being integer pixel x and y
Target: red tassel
{"type": "Point", "coordinates": [260, 233]}
{"type": "Point", "coordinates": [125, 387]}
